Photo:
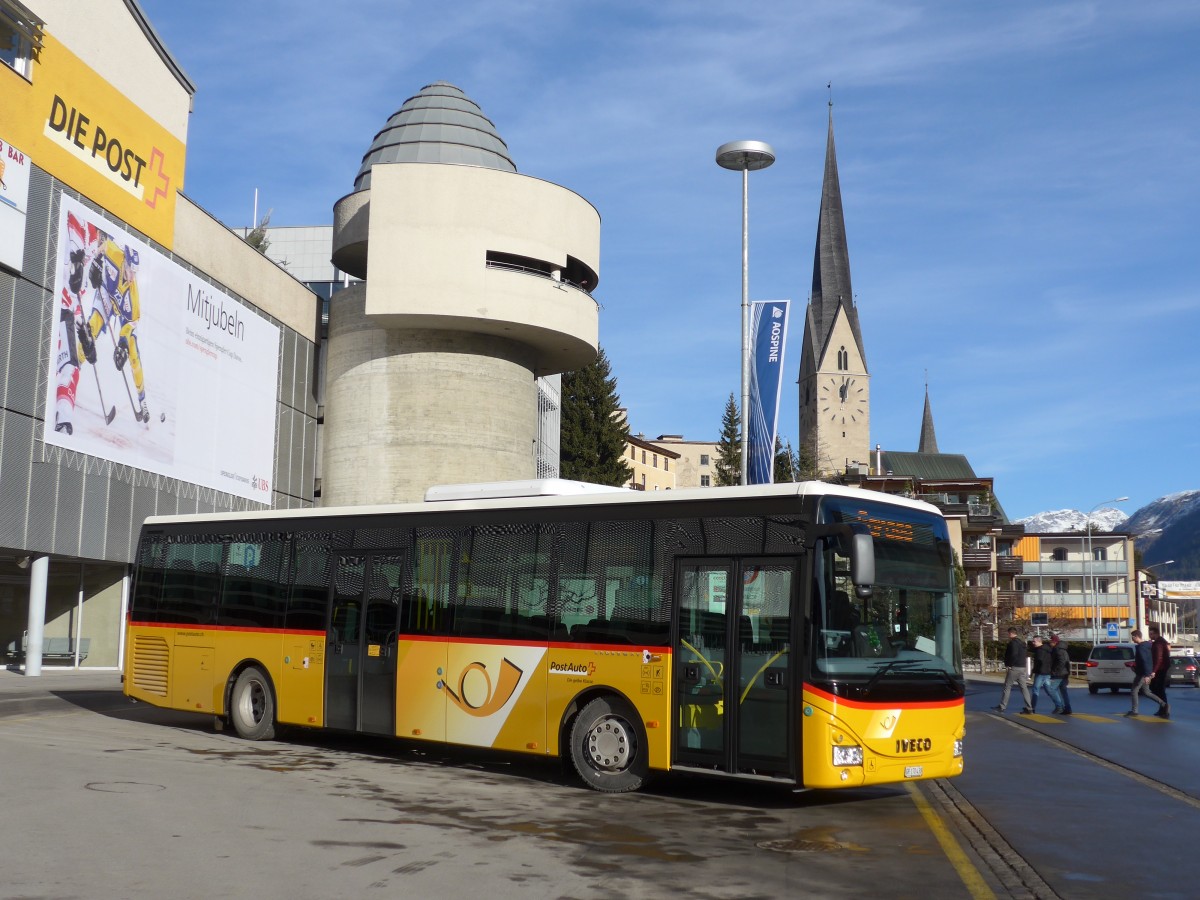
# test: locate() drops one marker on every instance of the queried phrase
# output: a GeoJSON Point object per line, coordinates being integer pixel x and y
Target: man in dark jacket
{"type": "Point", "coordinates": [1060, 670]}
{"type": "Point", "coordinates": [1043, 663]}
{"type": "Point", "coordinates": [1015, 657]}
{"type": "Point", "coordinates": [1160, 652]}
{"type": "Point", "coordinates": [1143, 668]}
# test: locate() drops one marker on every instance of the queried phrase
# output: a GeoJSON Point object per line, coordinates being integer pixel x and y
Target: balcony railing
{"type": "Point", "coordinates": [977, 559]}
{"type": "Point", "coordinates": [980, 596]}
{"type": "Point", "coordinates": [1098, 568]}
{"type": "Point", "coordinates": [1009, 565]}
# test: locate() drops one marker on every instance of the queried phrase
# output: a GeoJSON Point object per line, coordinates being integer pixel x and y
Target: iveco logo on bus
{"type": "Point", "coordinates": [914, 745]}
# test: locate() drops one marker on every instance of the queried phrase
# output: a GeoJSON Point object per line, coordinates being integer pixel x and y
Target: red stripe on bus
{"type": "Point", "coordinates": [176, 626]}
{"type": "Point", "coordinates": [423, 638]}
{"type": "Point", "coordinates": [867, 704]}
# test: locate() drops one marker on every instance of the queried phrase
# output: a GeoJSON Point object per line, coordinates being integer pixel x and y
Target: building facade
{"type": "Point", "coordinates": [653, 468]}
{"type": "Point", "coordinates": [696, 464]}
{"type": "Point", "coordinates": [481, 283]}
{"type": "Point", "coordinates": [154, 362]}
{"type": "Point", "coordinates": [1085, 583]}
{"type": "Point", "coordinates": [306, 252]}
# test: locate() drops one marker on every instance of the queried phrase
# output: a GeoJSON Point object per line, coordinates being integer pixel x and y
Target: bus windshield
{"type": "Point", "coordinates": [903, 640]}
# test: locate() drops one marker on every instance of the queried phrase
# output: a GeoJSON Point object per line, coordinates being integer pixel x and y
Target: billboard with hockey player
{"type": "Point", "coordinates": [153, 367]}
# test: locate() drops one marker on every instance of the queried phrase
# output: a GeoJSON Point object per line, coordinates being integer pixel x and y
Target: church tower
{"type": "Point", "coordinates": [835, 395]}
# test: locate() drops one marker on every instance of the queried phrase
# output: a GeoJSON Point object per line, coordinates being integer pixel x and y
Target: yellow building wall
{"type": "Point", "coordinates": [75, 125]}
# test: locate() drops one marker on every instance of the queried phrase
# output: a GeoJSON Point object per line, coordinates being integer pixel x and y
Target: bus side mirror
{"type": "Point", "coordinates": [862, 564]}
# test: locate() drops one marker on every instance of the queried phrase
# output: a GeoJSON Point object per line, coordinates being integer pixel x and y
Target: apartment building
{"type": "Point", "coordinates": [654, 468]}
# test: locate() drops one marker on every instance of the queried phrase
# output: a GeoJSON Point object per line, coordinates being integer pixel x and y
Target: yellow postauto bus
{"type": "Point", "coordinates": [801, 633]}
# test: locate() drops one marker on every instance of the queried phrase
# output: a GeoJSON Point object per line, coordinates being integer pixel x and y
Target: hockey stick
{"type": "Point", "coordinates": [137, 413]}
{"type": "Point", "coordinates": [112, 413]}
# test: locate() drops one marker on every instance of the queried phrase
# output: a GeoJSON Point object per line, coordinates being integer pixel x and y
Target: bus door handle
{"type": "Point", "coordinates": [337, 648]}
{"type": "Point", "coordinates": [774, 678]}
{"type": "Point", "coordinates": [691, 674]}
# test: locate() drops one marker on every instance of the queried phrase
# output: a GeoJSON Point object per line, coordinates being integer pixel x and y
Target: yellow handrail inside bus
{"type": "Point", "coordinates": [761, 669]}
{"type": "Point", "coordinates": [704, 659]}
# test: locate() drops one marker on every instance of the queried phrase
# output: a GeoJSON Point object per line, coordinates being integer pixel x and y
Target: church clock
{"type": "Point", "coordinates": [842, 397]}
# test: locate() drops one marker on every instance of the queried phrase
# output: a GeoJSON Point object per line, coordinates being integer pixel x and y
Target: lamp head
{"type": "Point", "coordinates": [745, 155]}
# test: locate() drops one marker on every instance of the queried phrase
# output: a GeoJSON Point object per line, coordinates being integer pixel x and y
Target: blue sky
{"type": "Point", "coordinates": [1021, 184]}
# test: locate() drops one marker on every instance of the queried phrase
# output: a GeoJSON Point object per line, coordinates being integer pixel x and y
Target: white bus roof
{"type": "Point", "coordinates": [541, 487]}
{"type": "Point", "coordinates": [594, 495]}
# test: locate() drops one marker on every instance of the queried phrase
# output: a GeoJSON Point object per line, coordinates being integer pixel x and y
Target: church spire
{"type": "Point", "coordinates": [831, 264]}
{"type": "Point", "coordinates": [928, 437]}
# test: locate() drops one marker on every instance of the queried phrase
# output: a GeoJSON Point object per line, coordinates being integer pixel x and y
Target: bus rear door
{"type": "Point", "coordinates": [360, 673]}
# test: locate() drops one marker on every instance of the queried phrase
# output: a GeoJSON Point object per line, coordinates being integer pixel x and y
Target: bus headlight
{"type": "Point", "coordinates": [958, 748]}
{"type": "Point", "coordinates": [848, 756]}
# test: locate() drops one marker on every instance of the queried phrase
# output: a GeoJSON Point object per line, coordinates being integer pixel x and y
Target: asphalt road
{"type": "Point", "coordinates": [107, 798]}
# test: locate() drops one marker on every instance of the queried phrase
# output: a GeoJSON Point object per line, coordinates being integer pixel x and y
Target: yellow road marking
{"type": "Point", "coordinates": [962, 865]}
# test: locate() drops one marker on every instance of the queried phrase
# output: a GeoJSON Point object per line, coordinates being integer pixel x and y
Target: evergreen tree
{"type": "Point", "coordinates": [257, 238]}
{"type": "Point", "coordinates": [787, 462]}
{"type": "Point", "coordinates": [806, 464]}
{"type": "Point", "coordinates": [729, 447]}
{"type": "Point", "coordinates": [593, 432]}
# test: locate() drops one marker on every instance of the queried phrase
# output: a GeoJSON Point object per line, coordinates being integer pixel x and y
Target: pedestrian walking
{"type": "Point", "coordinates": [1160, 653]}
{"type": "Point", "coordinates": [1143, 668]}
{"type": "Point", "coordinates": [1043, 680]}
{"type": "Point", "coordinates": [1016, 658]}
{"type": "Point", "coordinates": [1060, 670]}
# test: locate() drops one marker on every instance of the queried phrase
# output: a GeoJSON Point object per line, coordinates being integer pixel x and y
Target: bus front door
{"type": "Point", "coordinates": [734, 667]}
{"type": "Point", "coordinates": [360, 672]}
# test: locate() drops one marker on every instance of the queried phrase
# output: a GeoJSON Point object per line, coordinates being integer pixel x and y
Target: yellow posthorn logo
{"type": "Point", "coordinates": [506, 686]}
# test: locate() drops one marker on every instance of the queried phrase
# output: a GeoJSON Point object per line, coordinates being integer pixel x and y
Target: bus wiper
{"type": "Point", "coordinates": [884, 669]}
{"type": "Point", "coordinates": [935, 670]}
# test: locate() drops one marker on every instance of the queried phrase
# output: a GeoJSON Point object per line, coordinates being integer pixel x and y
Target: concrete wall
{"type": "Point", "coordinates": [688, 468]}
{"type": "Point", "coordinates": [215, 250]}
{"type": "Point", "coordinates": [429, 228]}
{"type": "Point", "coordinates": [406, 409]}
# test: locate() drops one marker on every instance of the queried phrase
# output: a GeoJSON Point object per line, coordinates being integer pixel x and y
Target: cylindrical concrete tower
{"type": "Point", "coordinates": [479, 281]}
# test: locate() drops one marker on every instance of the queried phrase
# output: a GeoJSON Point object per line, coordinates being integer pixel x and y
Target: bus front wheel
{"type": "Point", "coordinates": [608, 746]}
{"type": "Point", "coordinates": [252, 709]}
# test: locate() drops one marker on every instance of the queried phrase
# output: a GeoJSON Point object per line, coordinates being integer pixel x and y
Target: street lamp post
{"type": "Point", "coordinates": [1089, 579]}
{"type": "Point", "coordinates": [745, 156]}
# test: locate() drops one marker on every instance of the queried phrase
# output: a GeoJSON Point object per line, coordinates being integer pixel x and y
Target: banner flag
{"type": "Point", "coordinates": [768, 334]}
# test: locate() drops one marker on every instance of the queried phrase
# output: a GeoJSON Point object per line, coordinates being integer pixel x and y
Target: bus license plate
{"type": "Point", "coordinates": [913, 771]}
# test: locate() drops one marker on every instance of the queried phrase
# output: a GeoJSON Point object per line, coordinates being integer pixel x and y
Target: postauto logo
{"type": "Point", "coordinates": [493, 696]}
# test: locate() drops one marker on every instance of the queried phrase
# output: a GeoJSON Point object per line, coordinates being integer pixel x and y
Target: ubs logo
{"type": "Point", "coordinates": [914, 745]}
{"type": "Point", "coordinates": [474, 702]}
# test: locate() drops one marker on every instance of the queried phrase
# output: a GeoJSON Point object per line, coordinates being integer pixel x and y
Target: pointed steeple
{"type": "Point", "coordinates": [831, 264]}
{"type": "Point", "coordinates": [928, 438]}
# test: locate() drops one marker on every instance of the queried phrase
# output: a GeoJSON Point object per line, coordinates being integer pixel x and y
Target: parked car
{"type": "Point", "coordinates": [1185, 670]}
{"type": "Point", "coordinates": [1110, 666]}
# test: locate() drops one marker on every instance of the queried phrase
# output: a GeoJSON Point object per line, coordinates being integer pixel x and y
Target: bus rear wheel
{"type": "Point", "coordinates": [252, 706]}
{"type": "Point", "coordinates": [608, 746]}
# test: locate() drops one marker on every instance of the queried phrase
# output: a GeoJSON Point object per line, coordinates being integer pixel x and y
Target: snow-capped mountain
{"type": "Point", "coordinates": [1064, 520]}
{"type": "Point", "coordinates": [1164, 512]}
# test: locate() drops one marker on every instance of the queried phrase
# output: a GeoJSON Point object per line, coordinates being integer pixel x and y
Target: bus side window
{"type": "Point", "coordinates": [310, 587]}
